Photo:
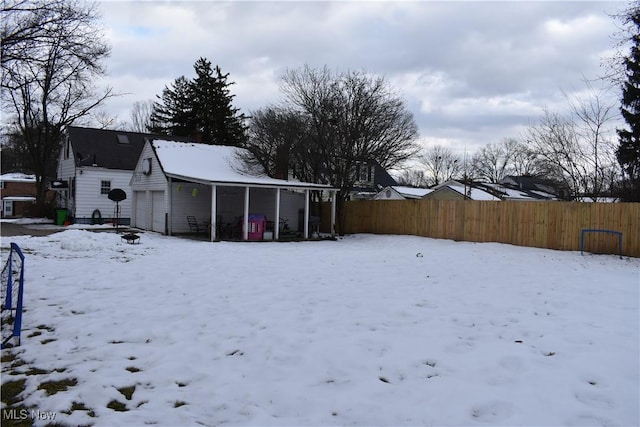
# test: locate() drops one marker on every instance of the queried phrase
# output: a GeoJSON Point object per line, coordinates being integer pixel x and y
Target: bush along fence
{"type": "Point", "coordinates": [552, 225]}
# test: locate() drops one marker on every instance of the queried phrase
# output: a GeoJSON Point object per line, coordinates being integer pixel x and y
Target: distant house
{"type": "Point", "coordinates": [370, 179]}
{"type": "Point", "coordinates": [18, 192]}
{"type": "Point", "coordinates": [397, 192]}
{"type": "Point", "coordinates": [93, 162]}
{"type": "Point", "coordinates": [180, 187]}
{"type": "Point", "coordinates": [454, 190]}
{"type": "Point", "coordinates": [507, 192]}
{"type": "Point", "coordinates": [535, 186]}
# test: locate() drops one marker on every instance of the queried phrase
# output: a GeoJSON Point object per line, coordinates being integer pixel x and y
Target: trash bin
{"type": "Point", "coordinates": [61, 216]}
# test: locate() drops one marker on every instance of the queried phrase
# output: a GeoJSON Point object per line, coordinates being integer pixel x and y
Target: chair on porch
{"type": "Point", "coordinates": [193, 225]}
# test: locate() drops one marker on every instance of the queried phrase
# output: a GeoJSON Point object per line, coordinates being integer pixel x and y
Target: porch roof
{"type": "Point", "coordinates": [217, 164]}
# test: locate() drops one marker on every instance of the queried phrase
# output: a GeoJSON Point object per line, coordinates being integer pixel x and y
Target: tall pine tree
{"type": "Point", "coordinates": [173, 115]}
{"type": "Point", "coordinates": [202, 105]}
{"type": "Point", "coordinates": [628, 152]}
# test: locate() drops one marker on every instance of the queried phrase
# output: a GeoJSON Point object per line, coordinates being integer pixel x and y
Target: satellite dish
{"type": "Point", "coordinates": [117, 195]}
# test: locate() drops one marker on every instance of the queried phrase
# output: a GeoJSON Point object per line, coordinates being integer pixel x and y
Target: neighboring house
{"type": "Point", "coordinates": [175, 180]}
{"type": "Point", "coordinates": [454, 190]}
{"type": "Point", "coordinates": [505, 192]}
{"type": "Point", "coordinates": [18, 192]}
{"type": "Point", "coordinates": [535, 186]}
{"type": "Point", "coordinates": [397, 192]}
{"type": "Point", "coordinates": [370, 179]}
{"type": "Point", "coordinates": [93, 162]}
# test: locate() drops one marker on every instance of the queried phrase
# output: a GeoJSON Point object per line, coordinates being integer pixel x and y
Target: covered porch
{"type": "Point", "coordinates": [244, 211]}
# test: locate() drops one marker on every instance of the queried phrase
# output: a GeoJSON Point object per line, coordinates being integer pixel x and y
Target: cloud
{"type": "Point", "coordinates": [471, 72]}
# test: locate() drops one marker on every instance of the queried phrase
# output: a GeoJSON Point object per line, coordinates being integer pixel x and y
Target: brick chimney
{"type": "Point", "coordinates": [282, 162]}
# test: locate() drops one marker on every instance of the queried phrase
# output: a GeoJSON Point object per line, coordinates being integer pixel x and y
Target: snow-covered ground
{"type": "Point", "coordinates": [366, 330]}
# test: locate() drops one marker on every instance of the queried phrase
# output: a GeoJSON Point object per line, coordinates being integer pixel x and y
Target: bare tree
{"type": "Point", "coordinates": [594, 116]}
{"type": "Point", "coordinates": [141, 116]}
{"type": "Point", "coordinates": [346, 118]}
{"type": "Point", "coordinates": [277, 143]}
{"type": "Point", "coordinates": [579, 149]}
{"type": "Point", "coordinates": [507, 157]}
{"type": "Point", "coordinates": [413, 177]}
{"type": "Point", "coordinates": [52, 53]}
{"type": "Point", "coordinates": [440, 164]}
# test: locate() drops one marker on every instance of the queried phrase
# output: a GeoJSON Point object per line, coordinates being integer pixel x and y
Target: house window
{"type": "Point", "coordinates": [363, 170]}
{"type": "Point", "coordinates": [1, 185]}
{"type": "Point", "coordinates": [105, 187]}
{"type": "Point", "coordinates": [122, 139]}
{"type": "Point", "coordinates": [7, 207]}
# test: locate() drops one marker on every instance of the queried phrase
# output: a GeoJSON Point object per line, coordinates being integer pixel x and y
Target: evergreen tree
{"type": "Point", "coordinates": [203, 104]}
{"type": "Point", "coordinates": [173, 115]}
{"type": "Point", "coordinates": [628, 152]}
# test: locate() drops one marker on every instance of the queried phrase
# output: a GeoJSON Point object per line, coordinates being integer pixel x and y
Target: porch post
{"type": "Point", "coordinates": [245, 223]}
{"type": "Point", "coordinates": [168, 225]}
{"type": "Point", "coordinates": [333, 213]}
{"type": "Point", "coordinates": [306, 213]}
{"type": "Point", "coordinates": [214, 210]}
{"type": "Point", "coordinates": [276, 222]}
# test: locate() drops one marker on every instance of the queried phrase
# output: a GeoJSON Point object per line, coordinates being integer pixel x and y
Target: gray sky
{"type": "Point", "coordinates": [472, 73]}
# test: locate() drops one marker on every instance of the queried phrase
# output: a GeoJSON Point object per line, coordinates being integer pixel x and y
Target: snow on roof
{"type": "Point", "coordinates": [17, 177]}
{"type": "Point", "coordinates": [411, 191]}
{"type": "Point", "coordinates": [214, 163]}
{"type": "Point", "coordinates": [474, 194]}
{"type": "Point", "coordinates": [20, 198]}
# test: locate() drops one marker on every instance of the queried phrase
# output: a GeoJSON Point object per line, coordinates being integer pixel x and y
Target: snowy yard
{"type": "Point", "coordinates": [361, 331]}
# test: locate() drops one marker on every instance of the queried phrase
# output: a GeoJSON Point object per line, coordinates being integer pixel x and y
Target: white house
{"type": "Point", "coordinates": [91, 163]}
{"type": "Point", "coordinates": [398, 192]}
{"type": "Point", "coordinates": [175, 180]}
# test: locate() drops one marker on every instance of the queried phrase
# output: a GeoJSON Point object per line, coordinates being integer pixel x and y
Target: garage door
{"type": "Point", "coordinates": [141, 217]}
{"type": "Point", "coordinates": [158, 209]}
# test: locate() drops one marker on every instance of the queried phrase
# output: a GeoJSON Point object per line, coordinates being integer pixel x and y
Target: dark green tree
{"type": "Point", "coordinates": [201, 105]}
{"type": "Point", "coordinates": [173, 115]}
{"type": "Point", "coordinates": [628, 152]}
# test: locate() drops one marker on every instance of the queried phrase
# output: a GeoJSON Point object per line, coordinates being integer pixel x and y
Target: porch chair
{"type": "Point", "coordinates": [193, 224]}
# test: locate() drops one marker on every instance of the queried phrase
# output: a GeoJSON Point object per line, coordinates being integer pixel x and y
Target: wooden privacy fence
{"type": "Point", "coordinates": [552, 225]}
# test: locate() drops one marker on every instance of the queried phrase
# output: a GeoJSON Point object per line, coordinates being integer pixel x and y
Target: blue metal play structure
{"type": "Point", "coordinates": [596, 230]}
{"type": "Point", "coordinates": [12, 288]}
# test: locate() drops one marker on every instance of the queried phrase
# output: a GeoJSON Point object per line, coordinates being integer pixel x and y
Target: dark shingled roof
{"type": "Point", "coordinates": [111, 149]}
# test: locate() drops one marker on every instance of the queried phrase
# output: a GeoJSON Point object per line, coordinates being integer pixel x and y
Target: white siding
{"type": "Point", "coordinates": [150, 193]}
{"type": "Point", "coordinates": [389, 194]}
{"type": "Point", "coordinates": [156, 181]}
{"type": "Point", "coordinates": [189, 198]}
{"type": "Point", "coordinates": [66, 166]}
{"type": "Point", "coordinates": [139, 219]}
{"type": "Point", "coordinates": [88, 197]}
{"type": "Point", "coordinates": [158, 211]}
{"type": "Point", "coordinates": [66, 171]}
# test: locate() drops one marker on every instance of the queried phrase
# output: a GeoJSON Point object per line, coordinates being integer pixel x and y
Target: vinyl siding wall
{"type": "Point", "coordinates": [145, 189]}
{"type": "Point", "coordinates": [88, 197]}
